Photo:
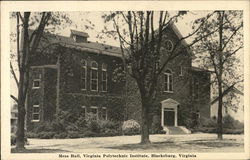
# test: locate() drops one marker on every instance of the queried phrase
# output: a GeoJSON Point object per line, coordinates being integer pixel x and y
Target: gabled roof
{"type": "Point", "coordinates": [179, 35]}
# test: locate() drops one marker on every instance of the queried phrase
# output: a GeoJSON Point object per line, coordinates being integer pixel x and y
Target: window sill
{"type": "Point", "coordinates": [35, 120]}
{"type": "Point", "coordinates": [35, 87]}
{"type": "Point", "coordinates": [168, 91]}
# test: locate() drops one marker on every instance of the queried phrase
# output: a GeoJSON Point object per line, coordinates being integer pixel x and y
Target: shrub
{"type": "Point", "coordinates": [72, 127]}
{"type": "Point", "coordinates": [81, 122]}
{"type": "Point", "coordinates": [231, 123]}
{"type": "Point", "coordinates": [46, 135]}
{"type": "Point", "coordinates": [207, 122]}
{"type": "Point", "coordinates": [130, 127]}
{"type": "Point", "coordinates": [60, 135]}
{"type": "Point", "coordinates": [43, 127]}
{"type": "Point", "coordinates": [74, 134]}
{"type": "Point", "coordinates": [90, 134]}
{"type": "Point", "coordinates": [31, 135]}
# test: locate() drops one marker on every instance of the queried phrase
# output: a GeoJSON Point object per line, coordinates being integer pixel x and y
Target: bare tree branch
{"type": "Point", "coordinates": [14, 74]}
{"type": "Point", "coordinates": [233, 34]}
{"type": "Point", "coordinates": [14, 98]}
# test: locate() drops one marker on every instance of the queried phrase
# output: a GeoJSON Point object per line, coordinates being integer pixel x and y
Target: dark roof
{"type": "Point", "coordinates": [79, 33]}
{"type": "Point", "coordinates": [92, 47]}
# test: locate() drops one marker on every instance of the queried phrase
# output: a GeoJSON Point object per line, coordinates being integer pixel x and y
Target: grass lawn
{"type": "Point", "coordinates": [159, 143]}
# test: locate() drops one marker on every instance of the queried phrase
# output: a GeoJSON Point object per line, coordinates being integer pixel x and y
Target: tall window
{"type": "Point", "coordinates": [195, 88]}
{"type": "Point", "coordinates": [168, 81]}
{"type": "Point", "coordinates": [104, 113]}
{"type": "Point", "coordinates": [83, 74]}
{"type": "Point", "coordinates": [36, 113]}
{"type": "Point", "coordinates": [83, 112]}
{"type": "Point", "coordinates": [94, 111]}
{"type": "Point", "coordinates": [104, 77]}
{"type": "Point", "coordinates": [181, 71]}
{"type": "Point", "coordinates": [94, 76]}
{"type": "Point", "coordinates": [36, 80]}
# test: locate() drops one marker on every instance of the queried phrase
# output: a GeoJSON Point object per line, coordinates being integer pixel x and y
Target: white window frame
{"type": "Point", "coordinates": [94, 107]}
{"type": "Point", "coordinates": [105, 81]}
{"type": "Point", "coordinates": [181, 71]}
{"type": "Point", "coordinates": [106, 113]}
{"type": "Point", "coordinates": [35, 120]}
{"type": "Point", "coordinates": [37, 79]}
{"type": "Point", "coordinates": [85, 67]}
{"type": "Point", "coordinates": [91, 69]}
{"type": "Point", "coordinates": [85, 113]}
{"type": "Point", "coordinates": [168, 81]}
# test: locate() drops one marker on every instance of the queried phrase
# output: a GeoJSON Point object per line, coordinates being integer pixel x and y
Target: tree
{"type": "Point", "coordinates": [143, 51]}
{"type": "Point", "coordinates": [27, 44]}
{"type": "Point", "coordinates": [218, 52]}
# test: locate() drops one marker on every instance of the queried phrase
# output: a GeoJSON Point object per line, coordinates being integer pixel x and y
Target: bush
{"type": "Point", "coordinates": [31, 135]}
{"type": "Point", "coordinates": [60, 135]}
{"type": "Point", "coordinates": [46, 135]}
{"type": "Point", "coordinates": [231, 123]}
{"type": "Point", "coordinates": [90, 134]}
{"type": "Point", "coordinates": [130, 127]}
{"type": "Point", "coordinates": [207, 122]}
{"type": "Point", "coordinates": [72, 127]}
{"type": "Point", "coordinates": [74, 134]}
{"type": "Point", "coordinates": [42, 127]}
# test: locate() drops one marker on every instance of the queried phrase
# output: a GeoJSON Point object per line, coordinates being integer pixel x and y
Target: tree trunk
{"type": "Point", "coordinates": [21, 114]}
{"type": "Point", "coordinates": [219, 120]}
{"type": "Point", "coordinates": [144, 123]}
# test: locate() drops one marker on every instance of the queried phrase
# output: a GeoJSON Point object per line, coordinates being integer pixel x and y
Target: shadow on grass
{"type": "Point", "coordinates": [13, 150]}
{"type": "Point", "coordinates": [178, 145]}
{"type": "Point", "coordinates": [151, 146]}
{"type": "Point", "coordinates": [215, 143]}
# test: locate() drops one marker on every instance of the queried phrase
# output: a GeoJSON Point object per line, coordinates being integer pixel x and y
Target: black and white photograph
{"type": "Point", "coordinates": [114, 83]}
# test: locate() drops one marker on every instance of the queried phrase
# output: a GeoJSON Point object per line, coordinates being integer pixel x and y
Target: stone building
{"type": "Point", "coordinates": [73, 74]}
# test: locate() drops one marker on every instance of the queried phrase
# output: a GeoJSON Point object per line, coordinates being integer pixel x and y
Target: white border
{"type": "Point", "coordinates": [8, 6]}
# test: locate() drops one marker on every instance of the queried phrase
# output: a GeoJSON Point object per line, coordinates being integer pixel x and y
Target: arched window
{"type": "Point", "coordinates": [168, 81]}
{"type": "Point", "coordinates": [83, 74]}
{"type": "Point", "coordinates": [94, 76]}
{"type": "Point", "coordinates": [104, 77]}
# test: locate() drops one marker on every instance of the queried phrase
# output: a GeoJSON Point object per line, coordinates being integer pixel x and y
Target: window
{"type": "Point", "coordinates": [83, 74]}
{"type": "Point", "coordinates": [104, 113]}
{"type": "Point", "coordinates": [36, 113]}
{"type": "Point", "coordinates": [94, 76]}
{"type": "Point", "coordinates": [83, 112]}
{"type": "Point", "coordinates": [195, 88]}
{"type": "Point", "coordinates": [94, 111]}
{"type": "Point", "coordinates": [104, 77]}
{"type": "Point", "coordinates": [168, 81]}
{"type": "Point", "coordinates": [181, 70]}
{"type": "Point", "coordinates": [169, 45]}
{"type": "Point", "coordinates": [36, 81]}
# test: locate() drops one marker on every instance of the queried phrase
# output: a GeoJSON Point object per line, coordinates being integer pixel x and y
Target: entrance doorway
{"type": "Point", "coordinates": [169, 117]}
{"type": "Point", "coordinates": [169, 112]}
